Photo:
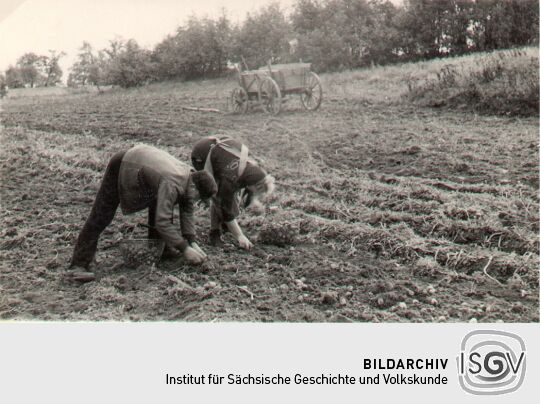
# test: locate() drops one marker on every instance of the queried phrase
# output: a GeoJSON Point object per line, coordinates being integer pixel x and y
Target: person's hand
{"type": "Point", "coordinates": [244, 243]}
{"type": "Point", "coordinates": [193, 257]}
{"type": "Point", "coordinates": [196, 247]}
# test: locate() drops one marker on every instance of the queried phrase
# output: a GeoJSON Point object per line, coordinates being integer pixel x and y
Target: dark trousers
{"type": "Point", "coordinates": [102, 214]}
{"type": "Point", "coordinates": [217, 223]}
{"type": "Point", "coordinates": [216, 217]}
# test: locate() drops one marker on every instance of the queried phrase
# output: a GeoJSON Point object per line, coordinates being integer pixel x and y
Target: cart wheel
{"type": "Point", "coordinates": [238, 101]}
{"type": "Point", "coordinates": [312, 95]}
{"type": "Point", "coordinates": [270, 96]}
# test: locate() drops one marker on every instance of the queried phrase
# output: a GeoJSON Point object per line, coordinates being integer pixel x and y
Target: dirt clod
{"type": "Point", "coordinates": [329, 297]}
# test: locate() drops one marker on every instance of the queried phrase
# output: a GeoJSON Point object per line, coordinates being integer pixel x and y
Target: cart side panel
{"type": "Point", "coordinates": [249, 80]}
{"type": "Point", "coordinates": [291, 77]}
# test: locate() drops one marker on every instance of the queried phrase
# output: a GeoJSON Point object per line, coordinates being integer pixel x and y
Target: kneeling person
{"type": "Point", "coordinates": [239, 179]}
{"type": "Point", "coordinates": [146, 177]}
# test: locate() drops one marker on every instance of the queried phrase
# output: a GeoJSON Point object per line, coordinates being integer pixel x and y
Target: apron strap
{"type": "Point", "coordinates": [243, 160]}
{"type": "Point", "coordinates": [242, 156]}
{"type": "Point", "coordinates": [208, 163]}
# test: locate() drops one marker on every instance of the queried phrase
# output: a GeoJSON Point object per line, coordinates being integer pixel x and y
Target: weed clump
{"type": "Point", "coordinates": [278, 234]}
{"type": "Point", "coordinates": [137, 252]}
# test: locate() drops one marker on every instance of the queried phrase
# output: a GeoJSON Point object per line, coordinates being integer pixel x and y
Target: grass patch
{"type": "Point", "coordinates": [502, 82]}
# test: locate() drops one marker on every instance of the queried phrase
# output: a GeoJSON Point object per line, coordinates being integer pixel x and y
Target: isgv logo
{"type": "Point", "coordinates": [491, 362]}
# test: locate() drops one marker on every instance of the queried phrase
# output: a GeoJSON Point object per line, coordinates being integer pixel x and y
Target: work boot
{"type": "Point", "coordinates": [215, 238]}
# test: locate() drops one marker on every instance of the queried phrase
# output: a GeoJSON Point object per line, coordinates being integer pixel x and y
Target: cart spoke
{"type": "Point", "coordinates": [312, 95]}
{"type": "Point", "coordinates": [238, 101]}
{"type": "Point", "coordinates": [270, 96]}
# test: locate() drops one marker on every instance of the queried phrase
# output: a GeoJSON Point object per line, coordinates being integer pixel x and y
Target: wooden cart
{"type": "Point", "coordinates": [269, 85]}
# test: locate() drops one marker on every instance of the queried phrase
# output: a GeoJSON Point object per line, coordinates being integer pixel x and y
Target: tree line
{"type": "Point", "coordinates": [34, 70]}
{"type": "Point", "coordinates": [331, 34]}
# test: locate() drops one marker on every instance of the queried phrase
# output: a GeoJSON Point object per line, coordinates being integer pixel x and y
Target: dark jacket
{"type": "Point", "coordinates": [225, 160]}
{"type": "Point", "coordinates": [149, 175]}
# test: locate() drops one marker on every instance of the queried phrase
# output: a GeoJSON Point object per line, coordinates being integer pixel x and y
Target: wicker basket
{"type": "Point", "coordinates": [141, 251]}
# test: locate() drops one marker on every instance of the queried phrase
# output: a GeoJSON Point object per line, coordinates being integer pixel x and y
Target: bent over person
{"type": "Point", "coordinates": [146, 177]}
{"type": "Point", "coordinates": [239, 179]}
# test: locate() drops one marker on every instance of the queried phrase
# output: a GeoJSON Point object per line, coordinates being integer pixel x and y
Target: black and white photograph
{"type": "Point", "coordinates": [288, 161]}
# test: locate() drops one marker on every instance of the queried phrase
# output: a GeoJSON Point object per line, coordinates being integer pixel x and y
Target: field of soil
{"type": "Point", "coordinates": [384, 211]}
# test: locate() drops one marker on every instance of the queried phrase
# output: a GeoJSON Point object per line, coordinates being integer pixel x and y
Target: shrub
{"type": "Point", "coordinates": [3, 86]}
{"type": "Point", "coordinates": [504, 82]}
{"type": "Point", "coordinates": [131, 67]}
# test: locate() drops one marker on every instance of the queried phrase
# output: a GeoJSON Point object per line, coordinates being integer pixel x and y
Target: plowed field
{"type": "Point", "coordinates": [383, 211]}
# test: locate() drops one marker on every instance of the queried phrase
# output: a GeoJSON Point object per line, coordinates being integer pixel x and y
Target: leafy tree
{"type": "Point", "coordinates": [502, 24]}
{"type": "Point", "coordinates": [307, 16]}
{"type": "Point", "coordinates": [52, 71]}
{"type": "Point", "coordinates": [79, 71]}
{"type": "Point", "coordinates": [348, 19]}
{"type": "Point", "coordinates": [129, 65]}
{"type": "Point", "coordinates": [222, 41]}
{"type": "Point", "coordinates": [331, 34]}
{"type": "Point", "coordinates": [3, 86]}
{"type": "Point", "coordinates": [169, 61]}
{"type": "Point", "coordinates": [377, 33]}
{"type": "Point", "coordinates": [263, 36]}
{"type": "Point", "coordinates": [88, 68]}
{"type": "Point", "coordinates": [440, 27]}
{"type": "Point", "coordinates": [337, 34]}
{"type": "Point", "coordinates": [324, 49]}
{"type": "Point", "coordinates": [197, 43]}
{"type": "Point", "coordinates": [35, 70]}
{"type": "Point", "coordinates": [200, 48]}
{"type": "Point", "coordinates": [14, 77]}
{"type": "Point", "coordinates": [436, 28]}
{"type": "Point", "coordinates": [30, 66]}
{"type": "Point", "coordinates": [422, 25]}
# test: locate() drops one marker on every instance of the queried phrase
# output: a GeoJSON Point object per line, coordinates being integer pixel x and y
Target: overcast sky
{"type": "Point", "coordinates": [62, 25]}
